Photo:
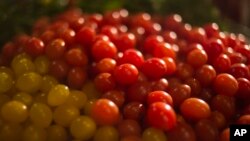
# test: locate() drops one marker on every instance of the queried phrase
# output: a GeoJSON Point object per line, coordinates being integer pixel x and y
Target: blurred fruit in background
{"type": "Point", "coordinates": [17, 16]}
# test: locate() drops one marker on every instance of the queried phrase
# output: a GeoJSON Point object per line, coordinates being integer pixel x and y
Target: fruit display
{"type": "Point", "coordinates": [119, 76]}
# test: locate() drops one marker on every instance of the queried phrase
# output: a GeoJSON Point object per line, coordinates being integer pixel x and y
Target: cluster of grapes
{"type": "Point", "coordinates": [124, 77]}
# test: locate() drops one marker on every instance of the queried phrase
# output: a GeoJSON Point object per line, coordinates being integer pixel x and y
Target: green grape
{"type": "Point", "coordinates": [58, 95]}
{"type": "Point", "coordinates": [90, 90]}
{"type": "Point", "coordinates": [22, 64]}
{"type": "Point", "coordinates": [56, 133]}
{"type": "Point", "coordinates": [10, 132]}
{"type": "Point", "coordinates": [153, 134]}
{"type": "Point", "coordinates": [14, 111]}
{"type": "Point", "coordinates": [24, 98]}
{"type": "Point", "coordinates": [47, 83]}
{"type": "Point", "coordinates": [29, 82]}
{"type": "Point", "coordinates": [33, 133]}
{"type": "Point", "coordinates": [6, 82]}
{"type": "Point", "coordinates": [64, 114]}
{"type": "Point", "coordinates": [106, 133]}
{"type": "Point", "coordinates": [82, 128]}
{"type": "Point", "coordinates": [40, 115]}
{"type": "Point", "coordinates": [77, 99]}
{"type": "Point", "coordinates": [42, 64]}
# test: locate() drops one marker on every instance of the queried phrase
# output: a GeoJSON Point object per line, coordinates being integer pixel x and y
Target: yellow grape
{"type": "Point", "coordinates": [14, 111]}
{"type": "Point", "coordinates": [153, 134]}
{"type": "Point", "coordinates": [33, 133]}
{"type": "Point", "coordinates": [22, 64]}
{"type": "Point", "coordinates": [82, 128]}
{"type": "Point", "coordinates": [106, 133]}
{"type": "Point", "coordinates": [77, 98]}
{"type": "Point", "coordinates": [58, 95]}
{"type": "Point", "coordinates": [40, 115]}
{"type": "Point", "coordinates": [64, 114]}
{"type": "Point", "coordinates": [56, 133]}
{"type": "Point", "coordinates": [10, 132]}
{"type": "Point", "coordinates": [6, 82]}
{"type": "Point", "coordinates": [29, 82]}
{"type": "Point", "coordinates": [47, 83]}
{"type": "Point", "coordinates": [42, 64]}
{"type": "Point", "coordinates": [7, 70]}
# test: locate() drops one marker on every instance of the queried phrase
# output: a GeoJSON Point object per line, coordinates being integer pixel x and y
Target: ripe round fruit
{"type": "Point", "coordinates": [159, 96]}
{"type": "Point", "coordinates": [106, 133]}
{"type": "Point", "coordinates": [76, 57]}
{"type": "Point", "coordinates": [195, 109]}
{"type": "Point", "coordinates": [153, 134]}
{"type": "Point", "coordinates": [33, 133]}
{"type": "Point", "coordinates": [77, 98]}
{"type": "Point", "coordinates": [154, 68]}
{"type": "Point", "coordinates": [105, 112]}
{"type": "Point", "coordinates": [29, 82]}
{"type": "Point", "coordinates": [225, 84]}
{"type": "Point", "coordinates": [41, 115]}
{"type": "Point", "coordinates": [14, 112]}
{"type": "Point", "coordinates": [55, 49]}
{"type": "Point", "coordinates": [6, 82]}
{"type": "Point", "coordinates": [161, 115]}
{"type": "Point", "coordinates": [129, 127]}
{"type": "Point", "coordinates": [197, 58]}
{"type": "Point", "coordinates": [126, 74]}
{"type": "Point", "coordinates": [58, 95]}
{"type": "Point", "coordinates": [82, 128]}
{"type": "Point", "coordinates": [106, 65]}
{"type": "Point", "coordinates": [34, 47]}
{"type": "Point", "coordinates": [103, 49]}
{"type": "Point", "coordinates": [57, 133]}
{"type": "Point", "coordinates": [132, 56]}
{"type": "Point", "coordinates": [182, 132]}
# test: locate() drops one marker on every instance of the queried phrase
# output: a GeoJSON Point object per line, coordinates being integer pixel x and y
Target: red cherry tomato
{"type": "Point", "coordinates": [103, 49]}
{"type": "Point", "coordinates": [126, 74]}
{"type": "Point", "coordinates": [161, 115]}
{"type": "Point", "coordinates": [34, 47]}
{"type": "Point", "coordinates": [154, 68]}
{"type": "Point", "coordinates": [105, 112]}
{"type": "Point", "coordinates": [195, 109]}
{"type": "Point", "coordinates": [159, 96]}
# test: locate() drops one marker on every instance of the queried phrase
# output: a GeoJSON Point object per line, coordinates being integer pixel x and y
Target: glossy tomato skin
{"type": "Point", "coordinates": [159, 96]}
{"type": "Point", "coordinates": [126, 74]}
{"type": "Point", "coordinates": [161, 115]}
{"type": "Point", "coordinates": [154, 68]}
{"type": "Point", "coordinates": [85, 36]}
{"type": "Point", "coordinates": [55, 49]}
{"type": "Point", "coordinates": [195, 109]}
{"type": "Point", "coordinates": [226, 84]}
{"type": "Point", "coordinates": [34, 47]}
{"type": "Point", "coordinates": [103, 49]}
{"type": "Point", "coordinates": [132, 56]}
{"type": "Point", "coordinates": [105, 112]}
